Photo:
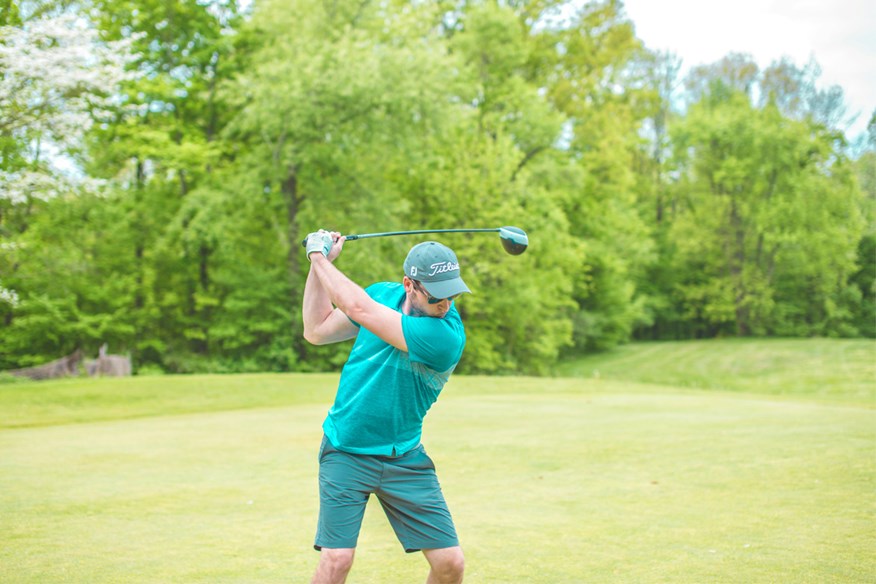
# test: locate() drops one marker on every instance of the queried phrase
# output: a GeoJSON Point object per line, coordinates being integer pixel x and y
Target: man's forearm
{"type": "Point", "coordinates": [317, 304]}
{"type": "Point", "coordinates": [339, 290]}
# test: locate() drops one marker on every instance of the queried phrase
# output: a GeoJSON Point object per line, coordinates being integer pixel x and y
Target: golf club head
{"type": "Point", "coordinates": [514, 240]}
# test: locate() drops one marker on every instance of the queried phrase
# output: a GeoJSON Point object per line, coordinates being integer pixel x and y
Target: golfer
{"type": "Point", "coordinates": [409, 338]}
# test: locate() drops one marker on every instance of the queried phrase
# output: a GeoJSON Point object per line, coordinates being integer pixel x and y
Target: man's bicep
{"type": "Point", "coordinates": [384, 322]}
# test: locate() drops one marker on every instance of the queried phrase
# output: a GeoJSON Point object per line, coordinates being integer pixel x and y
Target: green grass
{"type": "Point", "coordinates": [79, 400]}
{"type": "Point", "coordinates": [825, 369]}
{"type": "Point", "coordinates": [212, 479]}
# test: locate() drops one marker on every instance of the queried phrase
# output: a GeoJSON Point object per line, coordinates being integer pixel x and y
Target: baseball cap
{"type": "Point", "coordinates": [436, 267]}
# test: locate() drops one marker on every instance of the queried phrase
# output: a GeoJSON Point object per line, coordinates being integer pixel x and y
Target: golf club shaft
{"type": "Point", "coordinates": [417, 232]}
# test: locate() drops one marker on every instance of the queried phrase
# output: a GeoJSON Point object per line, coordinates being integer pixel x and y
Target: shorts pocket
{"type": "Point", "coordinates": [418, 460]}
{"type": "Point", "coordinates": [325, 447]}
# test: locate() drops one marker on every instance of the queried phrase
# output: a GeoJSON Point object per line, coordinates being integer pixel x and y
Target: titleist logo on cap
{"type": "Point", "coordinates": [437, 268]}
{"type": "Point", "coordinates": [442, 267]}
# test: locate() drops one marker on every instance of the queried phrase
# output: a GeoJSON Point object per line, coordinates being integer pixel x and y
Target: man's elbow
{"type": "Point", "coordinates": [313, 337]}
{"type": "Point", "coordinates": [357, 311]}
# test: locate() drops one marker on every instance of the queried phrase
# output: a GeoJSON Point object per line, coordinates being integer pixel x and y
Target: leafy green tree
{"type": "Point", "coordinates": [233, 134]}
{"type": "Point", "coordinates": [361, 117]}
{"type": "Point", "coordinates": [795, 92]}
{"type": "Point", "coordinates": [864, 280]}
{"type": "Point", "coordinates": [9, 13]}
{"type": "Point", "coordinates": [75, 291]}
{"type": "Point", "coordinates": [659, 97]}
{"type": "Point", "coordinates": [734, 73]}
{"type": "Point", "coordinates": [482, 170]}
{"type": "Point", "coordinates": [57, 77]}
{"type": "Point", "coordinates": [338, 99]}
{"type": "Point", "coordinates": [162, 147]}
{"type": "Point", "coordinates": [584, 67]}
{"type": "Point", "coordinates": [771, 219]}
{"type": "Point", "coordinates": [765, 211]}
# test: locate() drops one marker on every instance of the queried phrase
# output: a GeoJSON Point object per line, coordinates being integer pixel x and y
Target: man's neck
{"type": "Point", "coordinates": [408, 308]}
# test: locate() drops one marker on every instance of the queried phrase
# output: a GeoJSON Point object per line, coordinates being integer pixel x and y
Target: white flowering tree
{"type": "Point", "coordinates": [57, 79]}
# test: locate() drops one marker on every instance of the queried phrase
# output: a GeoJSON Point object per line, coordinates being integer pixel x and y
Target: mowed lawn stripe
{"type": "Point", "coordinates": [78, 400]}
{"type": "Point", "coordinates": [828, 370]}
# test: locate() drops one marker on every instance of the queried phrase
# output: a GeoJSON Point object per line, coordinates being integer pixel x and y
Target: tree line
{"type": "Point", "coordinates": [161, 161]}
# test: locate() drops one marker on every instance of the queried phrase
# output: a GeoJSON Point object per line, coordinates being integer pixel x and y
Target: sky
{"type": "Point", "coordinates": [839, 34]}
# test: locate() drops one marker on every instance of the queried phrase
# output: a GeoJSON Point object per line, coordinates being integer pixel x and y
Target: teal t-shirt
{"type": "Point", "coordinates": [384, 393]}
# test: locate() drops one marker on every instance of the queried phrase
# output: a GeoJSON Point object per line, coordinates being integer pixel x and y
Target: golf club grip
{"type": "Point", "coordinates": [348, 238]}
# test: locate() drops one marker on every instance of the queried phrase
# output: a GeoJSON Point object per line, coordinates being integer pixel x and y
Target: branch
{"type": "Point", "coordinates": [529, 156]}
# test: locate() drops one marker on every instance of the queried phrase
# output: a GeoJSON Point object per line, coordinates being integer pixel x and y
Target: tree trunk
{"type": "Point", "coordinates": [204, 315]}
{"type": "Point", "coordinates": [292, 201]}
{"type": "Point", "coordinates": [139, 243]}
{"type": "Point", "coordinates": [290, 198]}
{"type": "Point", "coordinates": [737, 272]}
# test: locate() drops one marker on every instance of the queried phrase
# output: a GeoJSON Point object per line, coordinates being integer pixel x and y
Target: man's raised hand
{"type": "Point", "coordinates": [319, 241]}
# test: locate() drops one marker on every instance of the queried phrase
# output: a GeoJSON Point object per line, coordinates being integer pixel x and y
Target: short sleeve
{"type": "Point", "coordinates": [435, 342]}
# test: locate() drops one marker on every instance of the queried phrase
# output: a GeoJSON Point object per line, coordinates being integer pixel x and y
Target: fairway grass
{"type": "Point", "coordinates": [550, 481]}
{"type": "Point", "coordinates": [78, 400]}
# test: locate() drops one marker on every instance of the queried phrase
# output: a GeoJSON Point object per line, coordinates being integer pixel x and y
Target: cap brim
{"type": "Point", "coordinates": [446, 288]}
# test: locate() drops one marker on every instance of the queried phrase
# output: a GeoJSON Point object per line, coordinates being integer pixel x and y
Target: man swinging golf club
{"type": "Point", "coordinates": [409, 338]}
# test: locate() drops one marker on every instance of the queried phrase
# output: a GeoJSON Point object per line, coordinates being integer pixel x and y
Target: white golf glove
{"type": "Point", "coordinates": [319, 241]}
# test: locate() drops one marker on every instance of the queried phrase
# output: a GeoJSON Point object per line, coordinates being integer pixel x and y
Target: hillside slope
{"type": "Point", "coordinates": [831, 369]}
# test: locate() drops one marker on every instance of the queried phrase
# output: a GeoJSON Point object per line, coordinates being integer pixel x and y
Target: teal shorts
{"type": "Point", "coordinates": [406, 486]}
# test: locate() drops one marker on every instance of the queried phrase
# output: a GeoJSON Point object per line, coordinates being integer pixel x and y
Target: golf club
{"type": "Point", "coordinates": [514, 239]}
